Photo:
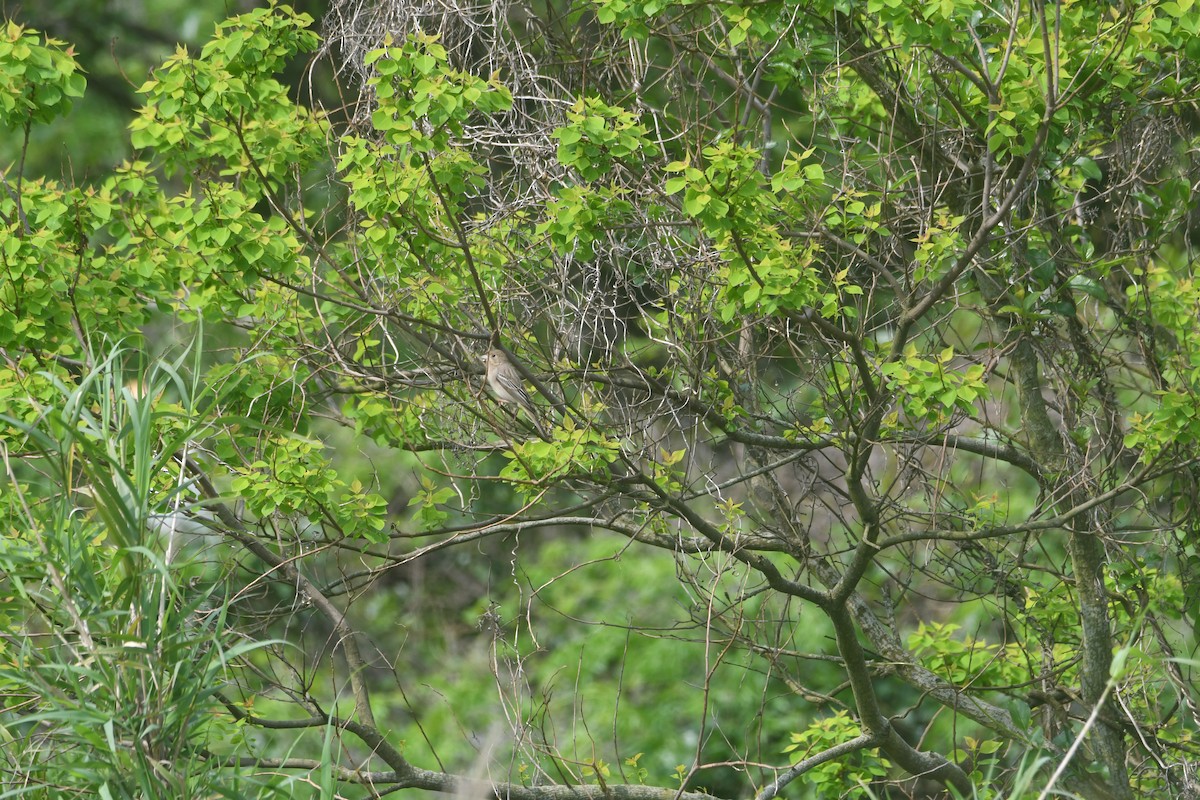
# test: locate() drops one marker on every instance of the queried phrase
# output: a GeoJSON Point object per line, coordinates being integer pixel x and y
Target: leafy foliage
{"type": "Point", "coordinates": [862, 452]}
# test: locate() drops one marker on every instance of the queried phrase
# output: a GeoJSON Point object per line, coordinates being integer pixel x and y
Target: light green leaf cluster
{"type": "Point", "coordinates": [293, 478]}
{"type": "Point", "coordinates": [423, 102]}
{"type": "Point", "coordinates": [727, 197]}
{"type": "Point", "coordinates": [598, 137]}
{"type": "Point", "coordinates": [929, 390]}
{"type": "Point", "coordinates": [938, 247]}
{"type": "Point", "coordinates": [49, 285]}
{"type": "Point", "coordinates": [1175, 419]}
{"type": "Point", "coordinates": [828, 780]}
{"type": "Point", "coordinates": [423, 106]}
{"type": "Point", "coordinates": [965, 659]}
{"type": "Point", "coordinates": [224, 114]}
{"type": "Point", "coordinates": [577, 216]}
{"type": "Point", "coordinates": [38, 77]}
{"type": "Point", "coordinates": [419, 170]}
{"type": "Point", "coordinates": [572, 450]}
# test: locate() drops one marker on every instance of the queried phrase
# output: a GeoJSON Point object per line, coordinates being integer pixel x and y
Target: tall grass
{"type": "Point", "coordinates": [115, 650]}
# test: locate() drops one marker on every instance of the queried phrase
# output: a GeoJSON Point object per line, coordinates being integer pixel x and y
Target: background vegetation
{"type": "Point", "coordinates": [862, 342]}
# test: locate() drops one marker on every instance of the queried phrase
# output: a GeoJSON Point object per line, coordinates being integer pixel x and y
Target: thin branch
{"type": "Point", "coordinates": [861, 742]}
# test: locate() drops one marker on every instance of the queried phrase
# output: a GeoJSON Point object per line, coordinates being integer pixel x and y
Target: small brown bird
{"type": "Point", "coordinates": [504, 380]}
{"type": "Point", "coordinates": [507, 385]}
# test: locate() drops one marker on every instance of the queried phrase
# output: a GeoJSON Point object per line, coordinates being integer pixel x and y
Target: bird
{"type": "Point", "coordinates": [504, 379]}
{"type": "Point", "coordinates": [506, 383]}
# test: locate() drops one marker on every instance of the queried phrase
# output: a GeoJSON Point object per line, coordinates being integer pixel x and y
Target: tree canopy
{"type": "Point", "coordinates": [863, 346]}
